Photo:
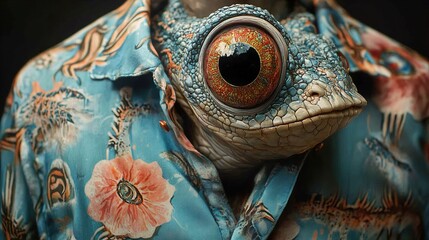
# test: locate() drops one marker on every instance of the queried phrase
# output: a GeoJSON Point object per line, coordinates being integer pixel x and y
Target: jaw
{"type": "Point", "coordinates": [247, 149]}
{"type": "Point", "coordinates": [300, 136]}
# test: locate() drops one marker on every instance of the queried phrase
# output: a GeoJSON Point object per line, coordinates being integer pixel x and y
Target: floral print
{"type": "Point", "coordinates": [130, 197]}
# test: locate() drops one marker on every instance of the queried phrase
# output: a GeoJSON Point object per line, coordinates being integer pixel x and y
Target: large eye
{"type": "Point", "coordinates": [243, 63]}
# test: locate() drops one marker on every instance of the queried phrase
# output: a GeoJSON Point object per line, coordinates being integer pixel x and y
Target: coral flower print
{"type": "Point", "coordinates": [130, 197]}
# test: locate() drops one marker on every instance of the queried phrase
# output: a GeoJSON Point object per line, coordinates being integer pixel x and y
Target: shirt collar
{"type": "Point", "coordinates": [119, 44]}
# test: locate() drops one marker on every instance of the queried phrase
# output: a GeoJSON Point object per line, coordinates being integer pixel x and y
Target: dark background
{"type": "Point", "coordinates": [30, 27]}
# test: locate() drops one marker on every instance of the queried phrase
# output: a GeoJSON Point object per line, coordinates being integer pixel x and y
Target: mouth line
{"type": "Point", "coordinates": [340, 113]}
{"type": "Point", "coordinates": [346, 112]}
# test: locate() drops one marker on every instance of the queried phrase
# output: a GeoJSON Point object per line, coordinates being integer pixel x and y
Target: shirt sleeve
{"type": "Point", "coordinates": [18, 218]}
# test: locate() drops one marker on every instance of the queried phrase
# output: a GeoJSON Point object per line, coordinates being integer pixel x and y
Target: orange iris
{"type": "Point", "coordinates": [242, 66]}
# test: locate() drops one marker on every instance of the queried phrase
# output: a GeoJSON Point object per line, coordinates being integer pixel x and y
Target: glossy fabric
{"type": "Point", "coordinates": [84, 156]}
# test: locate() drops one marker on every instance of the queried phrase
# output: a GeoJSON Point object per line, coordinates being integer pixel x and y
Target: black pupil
{"type": "Point", "coordinates": [242, 66]}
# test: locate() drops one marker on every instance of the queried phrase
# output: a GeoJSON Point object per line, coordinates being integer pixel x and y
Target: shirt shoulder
{"type": "Point", "coordinates": [93, 53]}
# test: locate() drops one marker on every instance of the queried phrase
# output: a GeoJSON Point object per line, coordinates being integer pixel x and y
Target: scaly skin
{"type": "Point", "coordinates": [316, 99]}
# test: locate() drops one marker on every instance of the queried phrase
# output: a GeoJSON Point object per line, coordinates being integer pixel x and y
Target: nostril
{"type": "Point", "coordinates": [314, 94]}
{"type": "Point", "coordinates": [316, 91]}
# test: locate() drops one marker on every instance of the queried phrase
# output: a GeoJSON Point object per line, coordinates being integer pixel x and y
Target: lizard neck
{"type": "Point", "coordinates": [234, 165]}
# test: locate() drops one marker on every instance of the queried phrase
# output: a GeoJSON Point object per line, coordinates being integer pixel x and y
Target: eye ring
{"type": "Point", "coordinates": [281, 46]}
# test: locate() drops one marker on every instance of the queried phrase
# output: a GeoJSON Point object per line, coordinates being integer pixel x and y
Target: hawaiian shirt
{"type": "Point", "coordinates": [89, 149]}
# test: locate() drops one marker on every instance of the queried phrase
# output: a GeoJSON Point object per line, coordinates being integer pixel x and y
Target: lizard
{"type": "Point", "coordinates": [307, 93]}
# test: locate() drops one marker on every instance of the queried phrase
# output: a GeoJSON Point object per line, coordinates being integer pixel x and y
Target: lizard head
{"type": "Point", "coordinates": [252, 88]}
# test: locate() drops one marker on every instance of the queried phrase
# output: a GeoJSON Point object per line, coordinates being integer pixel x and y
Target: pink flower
{"type": "Point", "coordinates": [130, 197]}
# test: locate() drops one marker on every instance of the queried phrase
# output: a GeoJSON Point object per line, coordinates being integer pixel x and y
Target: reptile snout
{"type": "Point", "coordinates": [320, 98]}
